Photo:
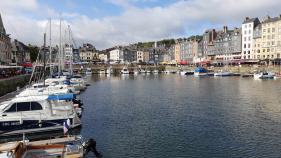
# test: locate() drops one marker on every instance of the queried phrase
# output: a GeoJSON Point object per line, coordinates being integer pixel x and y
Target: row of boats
{"type": "Point", "coordinates": [199, 71]}
{"type": "Point", "coordinates": [51, 106]}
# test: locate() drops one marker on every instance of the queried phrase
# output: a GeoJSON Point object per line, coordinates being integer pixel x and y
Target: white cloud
{"type": "Point", "coordinates": [182, 18]}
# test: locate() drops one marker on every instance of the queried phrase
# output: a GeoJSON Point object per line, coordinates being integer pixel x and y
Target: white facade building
{"type": "Point", "coordinates": [247, 37]}
{"type": "Point", "coordinates": [140, 56]}
{"type": "Point", "coordinates": [103, 57]}
{"type": "Point", "coordinates": [116, 55]}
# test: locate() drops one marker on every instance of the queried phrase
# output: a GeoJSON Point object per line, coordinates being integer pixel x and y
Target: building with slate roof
{"type": "Point", "coordinates": [5, 45]}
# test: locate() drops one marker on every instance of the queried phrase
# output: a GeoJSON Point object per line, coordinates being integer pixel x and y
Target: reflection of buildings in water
{"type": "Point", "coordinates": [265, 97]}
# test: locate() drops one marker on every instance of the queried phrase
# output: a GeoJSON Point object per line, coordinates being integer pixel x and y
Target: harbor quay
{"type": "Point", "coordinates": [117, 68]}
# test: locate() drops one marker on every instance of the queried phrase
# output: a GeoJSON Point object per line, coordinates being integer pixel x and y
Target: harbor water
{"type": "Point", "coordinates": [182, 116]}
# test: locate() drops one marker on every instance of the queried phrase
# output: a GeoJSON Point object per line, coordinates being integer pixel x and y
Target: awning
{"type": "Point", "coordinates": [61, 97]}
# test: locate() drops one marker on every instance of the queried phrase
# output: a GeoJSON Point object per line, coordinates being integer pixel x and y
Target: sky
{"type": "Point", "coordinates": [107, 23]}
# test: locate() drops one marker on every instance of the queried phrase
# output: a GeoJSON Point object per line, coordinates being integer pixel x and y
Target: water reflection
{"type": "Point", "coordinates": [182, 116]}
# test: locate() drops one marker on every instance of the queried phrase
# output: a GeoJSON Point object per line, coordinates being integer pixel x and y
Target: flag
{"type": "Point", "coordinates": [66, 125]}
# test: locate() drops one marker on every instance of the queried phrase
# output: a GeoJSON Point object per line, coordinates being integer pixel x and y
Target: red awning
{"type": "Point", "coordinates": [27, 65]}
{"type": "Point", "coordinates": [183, 63]}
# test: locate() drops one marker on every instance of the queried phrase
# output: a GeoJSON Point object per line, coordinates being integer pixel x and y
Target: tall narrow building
{"type": "Point", "coordinates": [5, 45]}
{"type": "Point", "coordinates": [248, 27]}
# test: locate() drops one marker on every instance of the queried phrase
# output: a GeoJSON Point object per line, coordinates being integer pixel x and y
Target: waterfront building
{"type": "Point", "coordinates": [208, 41]}
{"type": "Point", "coordinates": [228, 45]}
{"type": "Point", "coordinates": [257, 43]}
{"type": "Point", "coordinates": [248, 27]}
{"type": "Point", "coordinates": [103, 58]}
{"type": "Point", "coordinates": [177, 52]}
{"type": "Point", "coordinates": [5, 45]}
{"type": "Point", "coordinates": [76, 55]}
{"type": "Point", "coordinates": [68, 52]}
{"type": "Point", "coordinates": [20, 53]}
{"type": "Point", "coordinates": [140, 56]}
{"type": "Point", "coordinates": [185, 49]}
{"type": "Point", "coordinates": [129, 55]}
{"type": "Point", "coordinates": [116, 55]}
{"type": "Point", "coordinates": [271, 38]}
{"type": "Point", "coordinates": [171, 52]}
{"type": "Point", "coordinates": [88, 53]}
{"type": "Point", "coordinates": [146, 56]}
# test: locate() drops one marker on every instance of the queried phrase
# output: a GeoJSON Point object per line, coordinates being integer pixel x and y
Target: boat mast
{"type": "Point", "coordinates": [71, 53]}
{"type": "Point", "coordinates": [50, 55]}
{"type": "Point", "coordinates": [44, 59]}
{"type": "Point", "coordinates": [59, 66]}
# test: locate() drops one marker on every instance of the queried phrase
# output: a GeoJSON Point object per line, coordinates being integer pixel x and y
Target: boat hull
{"type": "Point", "coordinates": [33, 126]}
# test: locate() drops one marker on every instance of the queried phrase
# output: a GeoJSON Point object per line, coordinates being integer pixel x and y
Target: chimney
{"type": "Point", "coordinates": [224, 29]}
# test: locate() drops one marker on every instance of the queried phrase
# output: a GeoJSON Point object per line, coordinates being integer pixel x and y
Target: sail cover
{"type": "Point", "coordinates": [69, 96]}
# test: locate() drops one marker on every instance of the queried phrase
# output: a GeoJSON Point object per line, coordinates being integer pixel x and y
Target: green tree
{"type": "Point", "coordinates": [33, 50]}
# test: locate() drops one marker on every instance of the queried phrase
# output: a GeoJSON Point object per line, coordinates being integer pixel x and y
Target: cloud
{"type": "Point", "coordinates": [180, 18]}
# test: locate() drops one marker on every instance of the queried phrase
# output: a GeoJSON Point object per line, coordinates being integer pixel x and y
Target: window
{"type": "Point", "coordinates": [244, 52]}
{"type": "Point", "coordinates": [273, 29]}
{"type": "Point", "coordinates": [258, 51]}
{"type": "Point", "coordinates": [249, 31]}
{"type": "Point", "coordinates": [36, 106]}
{"type": "Point", "coordinates": [249, 38]}
{"type": "Point", "coordinates": [245, 39]}
{"type": "Point", "coordinates": [268, 50]}
{"type": "Point", "coordinates": [249, 45]}
{"type": "Point", "coordinates": [13, 108]}
{"type": "Point", "coordinates": [268, 30]}
{"type": "Point", "coordinates": [273, 36]}
{"type": "Point", "coordinates": [249, 52]}
{"type": "Point", "coordinates": [264, 30]}
{"type": "Point", "coordinates": [244, 45]}
{"type": "Point", "coordinates": [24, 106]}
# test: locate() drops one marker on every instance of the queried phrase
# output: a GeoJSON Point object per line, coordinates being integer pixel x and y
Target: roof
{"type": "Point", "coordinates": [269, 19]}
{"type": "Point", "coordinates": [2, 29]}
{"type": "Point", "coordinates": [249, 20]}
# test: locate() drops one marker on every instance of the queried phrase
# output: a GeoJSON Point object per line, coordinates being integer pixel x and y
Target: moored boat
{"type": "Point", "coordinates": [200, 71]}
{"type": "Point", "coordinates": [264, 75]}
{"type": "Point", "coordinates": [34, 114]}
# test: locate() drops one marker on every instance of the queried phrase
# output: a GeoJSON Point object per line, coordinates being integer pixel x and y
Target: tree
{"type": "Point", "coordinates": [33, 50]}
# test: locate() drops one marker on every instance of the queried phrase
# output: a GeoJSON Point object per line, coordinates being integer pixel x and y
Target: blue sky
{"type": "Point", "coordinates": [107, 23]}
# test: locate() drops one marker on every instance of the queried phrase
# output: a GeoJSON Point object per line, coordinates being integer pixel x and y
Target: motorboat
{"type": "Point", "coordinates": [142, 71]}
{"type": "Point", "coordinates": [34, 114]}
{"type": "Point", "coordinates": [155, 71]}
{"type": "Point", "coordinates": [125, 70]}
{"type": "Point", "coordinates": [102, 72]}
{"type": "Point", "coordinates": [264, 75]}
{"type": "Point", "coordinates": [183, 73]}
{"type": "Point", "coordinates": [147, 71]}
{"type": "Point", "coordinates": [166, 72]}
{"type": "Point", "coordinates": [88, 71]}
{"type": "Point", "coordinates": [78, 82]}
{"type": "Point", "coordinates": [277, 76]}
{"type": "Point", "coordinates": [222, 73]}
{"type": "Point", "coordinates": [200, 71]}
{"type": "Point", "coordinates": [109, 70]}
{"type": "Point", "coordinates": [67, 147]}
